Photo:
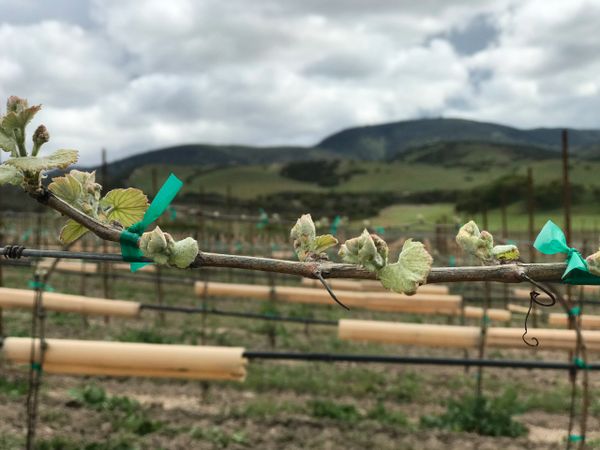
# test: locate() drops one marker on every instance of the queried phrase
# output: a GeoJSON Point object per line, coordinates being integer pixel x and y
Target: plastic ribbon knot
{"type": "Point", "coordinates": [129, 237]}
{"type": "Point", "coordinates": [550, 241]}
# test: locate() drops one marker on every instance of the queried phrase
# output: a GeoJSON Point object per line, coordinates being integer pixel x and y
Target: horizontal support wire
{"type": "Point", "coordinates": [218, 312]}
{"type": "Point", "coordinates": [62, 254]}
{"type": "Point", "coordinates": [415, 360]}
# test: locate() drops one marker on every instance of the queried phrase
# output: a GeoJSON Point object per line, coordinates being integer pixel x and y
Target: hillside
{"type": "Point", "coordinates": [385, 141]}
{"type": "Point", "coordinates": [209, 156]}
{"type": "Point", "coordinates": [454, 141]}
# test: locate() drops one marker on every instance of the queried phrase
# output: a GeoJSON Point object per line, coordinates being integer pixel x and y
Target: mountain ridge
{"type": "Point", "coordinates": [379, 142]}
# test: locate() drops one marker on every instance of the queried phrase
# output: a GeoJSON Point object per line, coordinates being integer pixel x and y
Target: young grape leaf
{"type": "Point", "coordinates": [324, 242]}
{"type": "Point", "coordinates": [593, 262]}
{"type": "Point", "coordinates": [363, 250]}
{"type": "Point", "coordinates": [71, 232]}
{"type": "Point", "coordinates": [183, 253]}
{"type": "Point", "coordinates": [477, 243]}
{"type": "Point", "coordinates": [19, 119]}
{"type": "Point", "coordinates": [411, 270]}
{"type": "Point", "coordinates": [126, 206]}
{"type": "Point", "coordinates": [304, 234]}
{"type": "Point", "coordinates": [67, 188]}
{"type": "Point", "coordinates": [8, 143]}
{"type": "Point", "coordinates": [10, 175]}
{"type": "Point", "coordinates": [60, 159]}
{"type": "Point", "coordinates": [506, 253]}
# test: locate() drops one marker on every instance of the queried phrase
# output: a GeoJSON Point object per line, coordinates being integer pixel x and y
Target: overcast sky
{"type": "Point", "coordinates": [137, 75]}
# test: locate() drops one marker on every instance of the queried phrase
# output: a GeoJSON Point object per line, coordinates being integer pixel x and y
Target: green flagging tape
{"type": "Point", "coordinates": [580, 363]}
{"type": "Point", "coordinates": [574, 311]}
{"type": "Point", "coordinates": [486, 319]}
{"type": "Point", "coordinates": [263, 219]}
{"type": "Point", "coordinates": [129, 237]}
{"type": "Point", "coordinates": [575, 438]}
{"type": "Point", "coordinates": [550, 241]}
{"type": "Point", "coordinates": [379, 230]}
{"type": "Point", "coordinates": [334, 225]}
{"type": "Point", "coordinates": [26, 235]}
{"type": "Point", "coordinates": [172, 213]}
{"type": "Point", "coordinates": [39, 285]}
{"type": "Point", "coordinates": [36, 366]}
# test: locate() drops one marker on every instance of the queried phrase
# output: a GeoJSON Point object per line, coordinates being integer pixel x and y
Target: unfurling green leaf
{"type": "Point", "coordinates": [474, 242]}
{"type": "Point", "coordinates": [60, 159]}
{"type": "Point", "coordinates": [80, 190]}
{"type": "Point", "coordinates": [369, 251]}
{"type": "Point", "coordinates": [126, 206]}
{"type": "Point", "coordinates": [19, 119]}
{"type": "Point", "coordinates": [411, 270]}
{"type": "Point", "coordinates": [163, 249]}
{"type": "Point", "coordinates": [593, 262]}
{"type": "Point", "coordinates": [324, 242]}
{"type": "Point", "coordinates": [8, 143]}
{"type": "Point", "coordinates": [184, 253]}
{"type": "Point", "coordinates": [10, 175]}
{"type": "Point", "coordinates": [71, 232]}
{"type": "Point", "coordinates": [304, 234]}
{"type": "Point", "coordinates": [506, 253]}
{"type": "Point", "coordinates": [67, 188]}
{"type": "Point", "coordinates": [154, 244]}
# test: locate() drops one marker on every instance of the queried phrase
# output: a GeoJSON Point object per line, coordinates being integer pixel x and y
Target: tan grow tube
{"type": "Point", "coordinates": [53, 301]}
{"type": "Point", "coordinates": [69, 356]}
{"type": "Point", "coordinates": [460, 336]}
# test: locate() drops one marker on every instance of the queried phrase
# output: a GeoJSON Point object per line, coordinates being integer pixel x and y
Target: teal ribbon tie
{"type": "Point", "coordinates": [263, 219]}
{"type": "Point", "coordinates": [575, 438]}
{"type": "Point", "coordinates": [333, 228]}
{"type": "Point", "coordinates": [379, 230]}
{"type": "Point", "coordinates": [550, 241]}
{"type": "Point", "coordinates": [129, 237]}
{"type": "Point", "coordinates": [39, 285]}
{"type": "Point", "coordinates": [580, 363]}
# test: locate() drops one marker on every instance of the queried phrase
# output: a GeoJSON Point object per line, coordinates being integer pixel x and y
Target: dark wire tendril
{"type": "Point", "coordinates": [533, 300]}
{"type": "Point", "coordinates": [333, 296]}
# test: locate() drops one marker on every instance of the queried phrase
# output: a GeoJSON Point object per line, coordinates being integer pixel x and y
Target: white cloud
{"type": "Point", "coordinates": [138, 75]}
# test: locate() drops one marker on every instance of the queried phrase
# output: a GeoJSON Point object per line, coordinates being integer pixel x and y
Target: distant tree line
{"type": "Point", "coordinates": [511, 189]}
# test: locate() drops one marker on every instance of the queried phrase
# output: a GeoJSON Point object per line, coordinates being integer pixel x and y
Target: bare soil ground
{"type": "Point", "coordinates": [274, 408]}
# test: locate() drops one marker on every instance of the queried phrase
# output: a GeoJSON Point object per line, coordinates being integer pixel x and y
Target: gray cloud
{"type": "Point", "coordinates": [137, 75]}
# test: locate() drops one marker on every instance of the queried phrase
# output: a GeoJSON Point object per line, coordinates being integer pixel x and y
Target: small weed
{"type": "Point", "coordinates": [13, 387]}
{"type": "Point", "coordinates": [483, 415]}
{"type": "Point", "coordinates": [63, 443]}
{"type": "Point", "coordinates": [382, 415]}
{"type": "Point", "coordinates": [139, 424]}
{"type": "Point", "coordinates": [57, 443]}
{"type": "Point", "coordinates": [266, 407]}
{"type": "Point", "coordinates": [145, 335]}
{"type": "Point", "coordinates": [407, 389]}
{"type": "Point", "coordinates": [125, 413]}
{"type": "Point", "coordinates": [218, 437]}
{"type": "Point", "coordinates": [331, 410]}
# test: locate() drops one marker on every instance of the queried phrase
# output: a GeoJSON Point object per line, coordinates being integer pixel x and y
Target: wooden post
{"type": "Point", "coordinates": [158, 270]}
{"type": "Point", "coordinates": [530, 213]}
{"type": "Point", "coordinates": [105, 266]}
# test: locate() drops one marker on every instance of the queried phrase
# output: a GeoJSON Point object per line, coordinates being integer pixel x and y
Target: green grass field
{"type": "Point", "coordinates": [251, 181]}
{"type": "Point", "coordinates": [582, 218]}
